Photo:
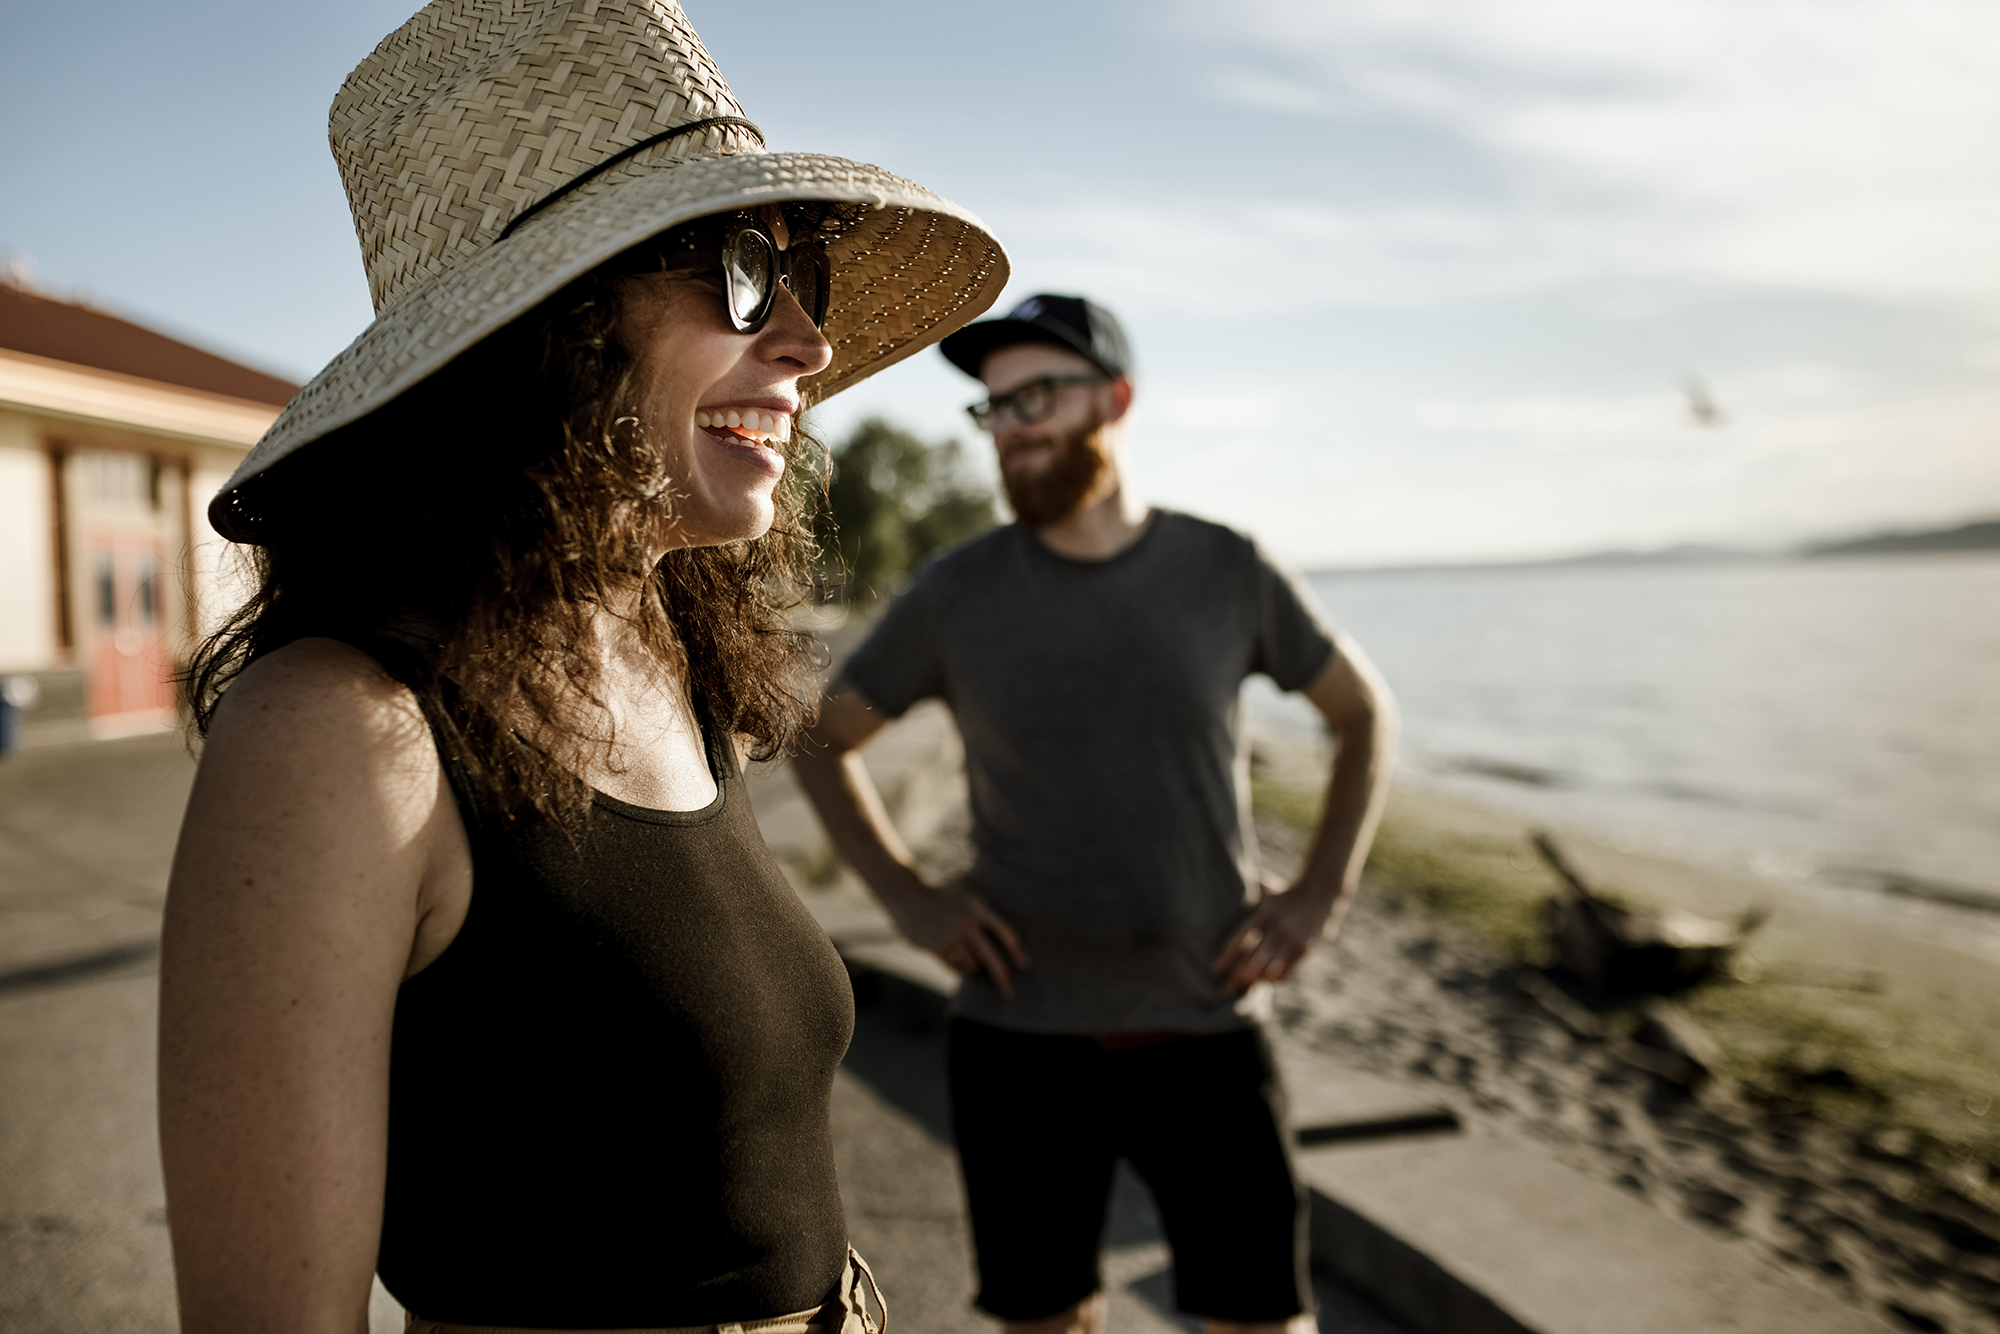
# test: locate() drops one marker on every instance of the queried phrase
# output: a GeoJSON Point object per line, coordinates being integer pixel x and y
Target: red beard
{"type": "Point", "coordinates": [1065, 484]}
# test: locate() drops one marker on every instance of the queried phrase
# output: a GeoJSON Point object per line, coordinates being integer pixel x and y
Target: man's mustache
{"type": "Point", "coordinates": [1018, 447]}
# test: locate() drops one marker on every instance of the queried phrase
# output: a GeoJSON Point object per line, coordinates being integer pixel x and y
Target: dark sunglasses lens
{"type": "Point", "coordinates": [820, 275]}
{"type": "Point", "coordinates": [749, 271]}
{"type": "Point", "coordinates": [811, 285]}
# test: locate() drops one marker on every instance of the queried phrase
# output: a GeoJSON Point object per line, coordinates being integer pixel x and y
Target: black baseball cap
{"type": "Point", "coordinates": [1070, 322]}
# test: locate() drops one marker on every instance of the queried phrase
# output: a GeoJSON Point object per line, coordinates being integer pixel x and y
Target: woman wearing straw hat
{"type": "Point", "coordinates": [476, 971]}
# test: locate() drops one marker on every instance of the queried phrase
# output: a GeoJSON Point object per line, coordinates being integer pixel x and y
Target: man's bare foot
{"type": "Point", "coordinates": [1086, 1317]}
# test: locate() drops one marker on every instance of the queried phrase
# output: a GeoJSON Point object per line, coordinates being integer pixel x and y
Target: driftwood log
{"type": "Point", "coordinates": [1634, 951]}
{"type": "Point", "coordinates": [1620, 954]}
{"type": "Point", "coordinates": [1670, 1044]}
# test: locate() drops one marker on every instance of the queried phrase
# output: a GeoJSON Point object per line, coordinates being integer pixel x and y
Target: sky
{"type": "Point", "coordinates": [1407, 280]}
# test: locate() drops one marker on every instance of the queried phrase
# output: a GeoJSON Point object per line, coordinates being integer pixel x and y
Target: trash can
{"type": "Point", "coordinates": [18, 694]}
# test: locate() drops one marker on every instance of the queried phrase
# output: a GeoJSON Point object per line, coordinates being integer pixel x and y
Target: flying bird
{"type": "Point", "coordinates": [1702, 410]}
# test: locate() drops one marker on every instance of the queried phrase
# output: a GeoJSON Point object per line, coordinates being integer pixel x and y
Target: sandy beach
{"type": "Point", "coordinates": [1853, 1132]}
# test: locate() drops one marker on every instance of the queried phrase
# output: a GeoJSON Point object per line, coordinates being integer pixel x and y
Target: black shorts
{"type": "Point", "coordinates": [1042, 1121]}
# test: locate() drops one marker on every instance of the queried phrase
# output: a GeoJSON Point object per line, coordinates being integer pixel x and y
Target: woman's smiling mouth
{"type": "Point", "coordinates": [756, 435]}
{"type": "Point", "coordinates": [754, 424]}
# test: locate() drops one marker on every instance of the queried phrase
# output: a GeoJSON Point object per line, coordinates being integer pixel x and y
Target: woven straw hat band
{"type": "Point", "coordinates": [474, 112]}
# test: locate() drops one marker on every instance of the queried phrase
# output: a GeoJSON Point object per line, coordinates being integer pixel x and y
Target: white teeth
{"type": "Point", "coordinates": [767, 427]}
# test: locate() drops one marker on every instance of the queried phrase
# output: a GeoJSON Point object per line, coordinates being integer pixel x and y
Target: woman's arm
{"type": "Point", "coordinates": [321, 861]}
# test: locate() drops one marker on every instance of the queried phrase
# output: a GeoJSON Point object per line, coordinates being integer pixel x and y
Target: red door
{"type": "Point", "coordinates": [129, 671]}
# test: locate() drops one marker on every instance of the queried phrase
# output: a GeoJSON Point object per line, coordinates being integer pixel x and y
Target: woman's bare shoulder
{"type": "Point", "coordinates": [319, 766]}
{"type": "Point", "coordinates": [320, 775]}
{"type": "Point", "coordinates": [317, 685]}
{"type": "Point", "coordinates": [323, 717]}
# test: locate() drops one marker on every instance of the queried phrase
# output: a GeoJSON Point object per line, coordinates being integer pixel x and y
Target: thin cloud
{"type": "Point", "coordinates": [1289, 256]}
{"type": "Point", "coordinates": [1843, 147]}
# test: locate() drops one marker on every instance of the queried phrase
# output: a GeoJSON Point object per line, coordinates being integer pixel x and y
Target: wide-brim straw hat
{"type": "Point", "coordinates": [494, 151]}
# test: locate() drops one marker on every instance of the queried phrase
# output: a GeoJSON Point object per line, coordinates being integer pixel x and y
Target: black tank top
{"type": "Point", "coordinates": [608, 1098]}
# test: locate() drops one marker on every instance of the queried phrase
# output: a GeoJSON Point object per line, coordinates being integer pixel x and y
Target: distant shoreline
{"type": "Point", "coordinates": [1970, 537]}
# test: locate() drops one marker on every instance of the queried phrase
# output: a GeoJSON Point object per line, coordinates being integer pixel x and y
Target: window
{"type": "Point", "coordinates": [107, 589]}
{"type": "Point", "coordinates": [148, 605]}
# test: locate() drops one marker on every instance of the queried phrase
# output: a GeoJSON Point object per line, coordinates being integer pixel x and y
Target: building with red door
{"type": "Point", "coordinates": [112, 439]}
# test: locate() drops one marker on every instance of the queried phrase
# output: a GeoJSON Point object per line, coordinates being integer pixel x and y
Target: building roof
{"type": "Point", "coordinates": [42, 326]}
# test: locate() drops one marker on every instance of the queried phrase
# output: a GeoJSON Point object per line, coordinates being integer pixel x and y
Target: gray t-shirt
{"type": "Point", "coordinates": [1099, 705]}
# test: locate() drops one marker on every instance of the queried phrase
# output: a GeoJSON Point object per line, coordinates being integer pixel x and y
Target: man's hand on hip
{"type": "Point", "coordinates": [962, 929]}
{"type": "Point", "coordinates": [950, 920]}
{"type": "Point", "coordinates": [1275, 936]}
{"type": "Point", "coordinates": [1361, 714]}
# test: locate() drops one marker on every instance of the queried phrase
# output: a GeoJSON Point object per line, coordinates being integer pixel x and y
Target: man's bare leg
{"type": "Point", "coordinates": [1086, 1317]}
{"type": "Point", "coordinates": [1304, 1323]}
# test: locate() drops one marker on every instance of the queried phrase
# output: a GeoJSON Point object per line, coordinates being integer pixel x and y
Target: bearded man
{"type": "Point", "coordinates": [1115, 938]}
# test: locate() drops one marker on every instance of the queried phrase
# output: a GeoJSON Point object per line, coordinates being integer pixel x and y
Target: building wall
{"type": "Point", "coordinates": [107, 475]}
{"type": "Point", "coordinates": [27, 550]}
{"type": "Point", "coordinates": [143, 577]}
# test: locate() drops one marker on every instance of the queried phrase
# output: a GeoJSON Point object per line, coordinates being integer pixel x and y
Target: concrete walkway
{"type": "Point", "coordinates": [86, 834]}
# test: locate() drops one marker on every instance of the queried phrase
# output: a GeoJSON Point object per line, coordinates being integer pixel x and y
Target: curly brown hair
{"type": "Point", "coordinates": [493, 509]}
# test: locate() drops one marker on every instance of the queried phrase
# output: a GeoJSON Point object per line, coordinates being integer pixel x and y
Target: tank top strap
{"type": "Point", "coordinates": [414, 666]}
{"type": "Point", "coordinates": [719, 744]}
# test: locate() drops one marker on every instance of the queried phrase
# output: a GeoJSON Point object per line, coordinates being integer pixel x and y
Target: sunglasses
{"type": "Point", "coordinates": [755, 260]}
{"type": "Point", "coordinates": [1030, 404]}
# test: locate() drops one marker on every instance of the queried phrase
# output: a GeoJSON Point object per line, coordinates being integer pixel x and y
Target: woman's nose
{"type": "Point", "coordinates": [791, 336]}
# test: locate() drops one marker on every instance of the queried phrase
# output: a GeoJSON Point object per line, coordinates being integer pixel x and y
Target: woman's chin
{"type": "Point", "coordinates": [711, 526]}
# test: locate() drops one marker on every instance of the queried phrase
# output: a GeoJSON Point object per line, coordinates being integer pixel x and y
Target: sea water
{"type": "Point", "coordinates": [1832, 722]}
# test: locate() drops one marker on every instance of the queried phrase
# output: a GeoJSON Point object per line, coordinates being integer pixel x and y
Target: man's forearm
{"type": "Point", "coordinates": [851, 808]}
{"type": "Point", "coordinates": [1355, 793]}
{"type": "Point", "coordinates": [949, 920]}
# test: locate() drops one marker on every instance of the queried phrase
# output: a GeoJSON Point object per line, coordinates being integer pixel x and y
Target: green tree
{"type": "Point", "coordinates": [892, 501]}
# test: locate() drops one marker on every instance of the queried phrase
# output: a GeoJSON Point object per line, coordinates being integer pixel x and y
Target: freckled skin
{"type": "Point", "coordinates": [322, 861]}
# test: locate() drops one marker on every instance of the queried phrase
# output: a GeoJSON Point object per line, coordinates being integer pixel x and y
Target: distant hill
{"type": "Point", "coordinates": [1965, 537]}
{"type": "Point", "coordinates": [1983, 535]}
{"type": "Point", "coordinates": [1686, 553]}
{"type": "Point", "coordinates": [1682, 553]}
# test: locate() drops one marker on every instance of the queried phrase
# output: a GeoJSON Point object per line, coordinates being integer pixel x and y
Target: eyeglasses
{"type": "Point", "coordinates": [1029, 404]}
{"type": "Point", "coordinates": [754, 266]}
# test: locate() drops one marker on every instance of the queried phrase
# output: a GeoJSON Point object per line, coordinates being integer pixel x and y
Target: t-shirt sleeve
{"type": "Point", "coordinates": [902, 660]}
{"type": "Point", "coordinates": [1294, 639]}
